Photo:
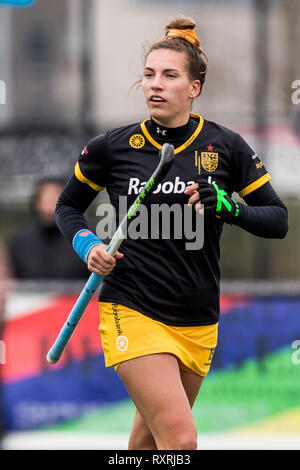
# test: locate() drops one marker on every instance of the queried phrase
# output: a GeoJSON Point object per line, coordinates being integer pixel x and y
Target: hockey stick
{"type": "Point", "coordinates": [166, 159]}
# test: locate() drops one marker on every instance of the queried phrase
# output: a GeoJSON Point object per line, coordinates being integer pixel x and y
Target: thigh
{"type": "Point", "coordinates": [155, 385]}
{"type": "Point", "coordinates": [141, 437]}
{"type": "Point", "coordinates": [191, 383]}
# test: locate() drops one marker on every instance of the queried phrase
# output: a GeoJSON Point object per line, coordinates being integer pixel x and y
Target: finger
{"type": "Point", "coordinates": [199, 208]}
{"type": "Point", "coordinates": [191, 189]}
{"type": "Point", "coordinates": [102, 257]}
{"type": "Point", "coordinates": [119, 255]}
{"type": "Point", "coordinates": [96, 260]}
{"type": "Point", "coordinates": [98, 270]}
{"type": "Point", "coordinates": [107, 257]}
{"type": "Point", "coordinates": [193, 199]}
{"type": "Point", "coordinates": [102, 265]}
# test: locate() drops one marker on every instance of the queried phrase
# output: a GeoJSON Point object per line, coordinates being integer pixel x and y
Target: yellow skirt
{"type": "Point", "coordinates": [126, 334]}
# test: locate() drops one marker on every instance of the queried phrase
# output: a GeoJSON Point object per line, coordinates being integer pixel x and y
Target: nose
{"type": "Point", "coordinates": [156, 83]}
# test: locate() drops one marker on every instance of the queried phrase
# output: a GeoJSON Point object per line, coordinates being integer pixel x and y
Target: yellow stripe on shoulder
{"type": "Point", "coordinates": [80, 176]}
{"type": "Point", "coordinates": [255, 185]}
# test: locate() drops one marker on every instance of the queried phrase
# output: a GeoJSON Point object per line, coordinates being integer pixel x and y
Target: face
{"type": "Point", "coordinates": [167, 87]}
{"type": "Point", "coordinates": [46, 202]}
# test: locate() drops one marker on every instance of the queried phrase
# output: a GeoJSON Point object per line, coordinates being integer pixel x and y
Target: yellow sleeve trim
{"type": "Point", "coordinates": [83, 179]}
{"type": "Point", "coordinates": [255, 185]}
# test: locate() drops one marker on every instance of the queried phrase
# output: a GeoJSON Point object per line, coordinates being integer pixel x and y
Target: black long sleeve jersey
{"type": "Point", "coordinates": [166, 275]}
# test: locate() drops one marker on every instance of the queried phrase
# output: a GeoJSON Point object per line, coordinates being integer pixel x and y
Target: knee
{"type": "Point", "coordinates": [185, 440]}
{"type": "Point", "coordinates": [178, 438]}
{"type": "Point", "coordinates": [140, 437]}
{"type": "Point", "coordinates": [141, 441]}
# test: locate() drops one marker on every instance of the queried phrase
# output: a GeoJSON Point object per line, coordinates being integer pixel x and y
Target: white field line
{"type": "Point", "coordinates": [32, 440]}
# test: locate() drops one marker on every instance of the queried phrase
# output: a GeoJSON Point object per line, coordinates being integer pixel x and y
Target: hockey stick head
{"type": "Point", "coordinates": [167, 152]}
{"type": "Point", "coordinates": [166, 155]}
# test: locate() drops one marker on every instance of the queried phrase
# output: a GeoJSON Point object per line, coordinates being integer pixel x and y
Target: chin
{"type": "Point", "coordinates": [159, 116]}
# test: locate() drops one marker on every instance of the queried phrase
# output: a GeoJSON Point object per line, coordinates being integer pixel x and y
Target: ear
{"type": "Point", "coordinates": [195, 89]}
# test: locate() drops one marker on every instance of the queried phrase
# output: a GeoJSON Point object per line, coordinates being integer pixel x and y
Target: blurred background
{"type": "Point", "coordinates": [66, 68]}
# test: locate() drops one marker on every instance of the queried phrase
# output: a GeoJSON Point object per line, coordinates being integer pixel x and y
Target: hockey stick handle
{"type": "Point", "coordinates": [54, 354]}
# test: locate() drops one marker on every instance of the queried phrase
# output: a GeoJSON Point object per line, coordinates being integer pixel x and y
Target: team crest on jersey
{"type": "Point", "coordinates": [137, 141]}
{"type": "Point", "coordinates": [209, 161]}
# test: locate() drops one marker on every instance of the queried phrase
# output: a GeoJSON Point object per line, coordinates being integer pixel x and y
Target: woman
{"type": "Point", "coordinates": [159, 301]}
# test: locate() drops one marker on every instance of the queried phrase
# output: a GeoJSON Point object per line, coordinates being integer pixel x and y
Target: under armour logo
{"type": "Point", "coordinates": [162, 132]}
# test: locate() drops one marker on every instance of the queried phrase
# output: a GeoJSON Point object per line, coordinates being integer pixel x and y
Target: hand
{"type": "Point", "coordinates": [215, 200]}
{"type": "Point", "coordinates": [100, 262]}
{"type": "Point", "coordinates": [194, 199]}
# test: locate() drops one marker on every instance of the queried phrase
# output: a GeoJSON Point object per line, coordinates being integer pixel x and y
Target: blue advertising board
{"type": "Point", "coordinates": [18, 3]}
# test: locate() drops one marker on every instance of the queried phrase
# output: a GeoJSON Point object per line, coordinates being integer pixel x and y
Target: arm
{"type": "Point", "coordinates": [265, 215]}
{"type": "Point", "coordinates": [69, 216]}
{"type": "Point", "coordinates": [74, 200]}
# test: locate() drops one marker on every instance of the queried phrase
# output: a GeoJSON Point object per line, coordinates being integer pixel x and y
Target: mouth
{"type": "Point", "coordinates": [156, 99]}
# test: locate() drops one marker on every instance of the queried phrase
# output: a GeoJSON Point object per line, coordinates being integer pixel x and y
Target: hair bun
{"type": "Point", "coordinates": [181, 23]}
{"type": "Point", "coordinates": [183, 28]}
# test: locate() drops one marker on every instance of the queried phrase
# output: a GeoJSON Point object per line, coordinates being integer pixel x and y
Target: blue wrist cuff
{"type": "Point", "coordinates": [83, 242]}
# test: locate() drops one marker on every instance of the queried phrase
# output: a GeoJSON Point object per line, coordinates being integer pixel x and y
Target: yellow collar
{"type": "Point", "coordinates": [183, 146]}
